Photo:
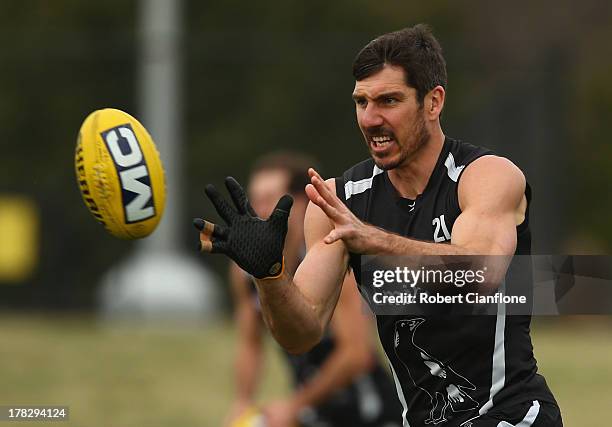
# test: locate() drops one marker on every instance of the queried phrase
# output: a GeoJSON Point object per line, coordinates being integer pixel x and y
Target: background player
{"type": "Point", "coordinates": [337, 383]}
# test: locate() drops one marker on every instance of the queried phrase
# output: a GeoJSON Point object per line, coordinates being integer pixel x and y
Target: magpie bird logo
{"type": "Point", "coordinates": [442, 384]}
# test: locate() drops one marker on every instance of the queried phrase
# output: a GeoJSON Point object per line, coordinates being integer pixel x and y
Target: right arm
{"type": "Point", "coordinates": [248, 359]}
{"type": "Point", "coordinates": [249, 348]}
{"type": "Point", "coordinates": [297, 310]}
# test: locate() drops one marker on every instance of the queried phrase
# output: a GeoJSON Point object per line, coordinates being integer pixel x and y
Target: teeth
{"type": "Point", "coordinates": [381, 140]}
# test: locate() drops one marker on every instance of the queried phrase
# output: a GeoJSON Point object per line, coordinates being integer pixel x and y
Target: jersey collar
{"type": "Point", "coordinates": [410, 205]}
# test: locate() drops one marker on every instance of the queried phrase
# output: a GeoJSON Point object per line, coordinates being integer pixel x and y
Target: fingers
{"type": "Point", "coordinates": [205, 246]}
{"type": "Point", "coordinates": [332, 237]}
{"type": "Point", "coordinates": [324, 191]}
{"type": "Point", "coordinates": [250, 209]}
{"type": "Point", "coordinates": [312, 172]}
{"type": "Point", "coordinates": [204, 226]}
{"type": "Point", "coordinates": [213, 246]}
{"type": "Point", "coordinates": [238, 195]}
{"type": "Point", "coordinates": [213, 237]}
{"type": "Point", "coordinates": [282, 209]}
{"type": "Point", "coordinates": [223, 208]}
{"type": "Point", "coordinates": [219, 246]}
{"type": "Point", "coordinates": [209, 229]}
{"type": "Point", "coordinates": [315, 197]}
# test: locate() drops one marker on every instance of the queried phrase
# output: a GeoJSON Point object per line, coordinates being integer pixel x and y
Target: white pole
{"type": "Point", "coordinates": [160, 281]}
{"type": "Point", "coordinates": [161, 105]}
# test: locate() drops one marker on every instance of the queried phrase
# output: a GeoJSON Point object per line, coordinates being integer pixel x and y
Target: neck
{"type": "Point", "coordinates": [411, 178]}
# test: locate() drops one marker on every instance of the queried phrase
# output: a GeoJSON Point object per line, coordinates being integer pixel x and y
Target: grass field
{"type": "Point", "coordinates": [115, 377]}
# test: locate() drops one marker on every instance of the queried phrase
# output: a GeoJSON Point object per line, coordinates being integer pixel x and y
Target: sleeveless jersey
{"type": "Point", "coordinates": [448, 370]}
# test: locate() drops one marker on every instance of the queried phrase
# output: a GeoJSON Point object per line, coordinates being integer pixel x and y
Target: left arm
{"type": "Point", "coordinates": [491, 197]}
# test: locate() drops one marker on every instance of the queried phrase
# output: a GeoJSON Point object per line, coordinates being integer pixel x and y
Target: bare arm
{"type": "Point", "coordinates": [249, 347]}
{"type": "Point", "coordinates": [352, 354]}
{"type": "Point", "coordinates": [491, 196]}
{"type": "Point", "coordinates": [297, 310]}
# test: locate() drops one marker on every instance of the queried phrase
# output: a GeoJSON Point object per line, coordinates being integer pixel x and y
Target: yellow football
{"type": "Point", "coordinates": [120, 174]}
{"type": "Point", "coordinates": [252, 417]}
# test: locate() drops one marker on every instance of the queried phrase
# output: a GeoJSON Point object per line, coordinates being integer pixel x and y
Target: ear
{"type": "Point", "coordinates": [434, 102]}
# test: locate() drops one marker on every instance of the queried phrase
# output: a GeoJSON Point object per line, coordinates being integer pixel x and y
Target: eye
{"type": "Point", "coordinates": [389, 100]}
{"type": "Point", "coordinates": [361, 102]}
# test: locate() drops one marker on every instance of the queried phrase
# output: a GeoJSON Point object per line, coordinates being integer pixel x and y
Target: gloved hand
{"type": "Point", "coordinates": [255, 244]}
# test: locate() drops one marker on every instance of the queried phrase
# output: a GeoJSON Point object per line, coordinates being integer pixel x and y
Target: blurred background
{"type": "Point", "coordinates": [236, 80]}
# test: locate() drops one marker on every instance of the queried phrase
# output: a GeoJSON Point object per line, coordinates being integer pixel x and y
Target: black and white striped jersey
{"type": "Point", "coordinates": [448, 369]}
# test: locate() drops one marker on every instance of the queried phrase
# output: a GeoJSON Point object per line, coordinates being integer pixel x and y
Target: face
{"type": "Point", "coordinates": [390, 118]}
{"type": "Point", "coordinates": [266, 187]}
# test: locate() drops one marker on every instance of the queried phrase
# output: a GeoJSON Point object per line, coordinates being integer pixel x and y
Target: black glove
{"type": "Point", "coordinates": [256, 245]}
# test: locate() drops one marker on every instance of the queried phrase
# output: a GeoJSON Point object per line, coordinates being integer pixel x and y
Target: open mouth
{"type": "Point", "coordinates": [380, 143]}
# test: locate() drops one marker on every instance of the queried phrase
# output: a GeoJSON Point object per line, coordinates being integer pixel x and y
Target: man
{"type": "Point", "coordinates": [421, 193]}
{"type": "Point", "coordinates": [339, 381]}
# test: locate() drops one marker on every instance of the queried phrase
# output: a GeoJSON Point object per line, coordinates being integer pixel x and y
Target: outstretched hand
{"type": "Point", "coordinates": [356, 235]}
{"type": "Point", "coordinates": [255, 244]}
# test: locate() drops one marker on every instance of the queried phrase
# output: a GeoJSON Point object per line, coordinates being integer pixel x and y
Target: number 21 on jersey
{"type": "Point", "coordinates": [441, 233]}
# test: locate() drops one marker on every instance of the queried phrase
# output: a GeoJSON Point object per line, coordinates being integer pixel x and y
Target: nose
{"type": "Point", "coordinates": [370, 116]}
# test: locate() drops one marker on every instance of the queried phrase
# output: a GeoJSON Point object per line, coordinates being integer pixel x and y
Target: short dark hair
{"type": "Point", "coordinates": [415, 49]}
{"type": "Point", "coordinates": [296, 164]}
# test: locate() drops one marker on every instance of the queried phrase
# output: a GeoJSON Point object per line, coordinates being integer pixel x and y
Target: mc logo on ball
{"type": "Point", "coordinates": [136, 191]}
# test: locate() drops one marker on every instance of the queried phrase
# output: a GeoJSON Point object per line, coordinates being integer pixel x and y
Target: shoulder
{"type": "Point", "coordinates": [357, 179]}
{"type": "Point", "coordinates": [464, 151]}
{"type": "Point", "coordinates": [492, 167]}
{"type": "Point", "coordinates": [491, 178]}
{"type": "Point", "coordinates": [461, 154]}
{"type": "Point", "coordinates": [359, 171]}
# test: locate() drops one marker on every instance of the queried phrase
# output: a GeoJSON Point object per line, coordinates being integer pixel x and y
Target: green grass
{"type": "Point", "coordinates": [575, 356]}
{"type": "Point", "coordinates": [183, 377]}
{"type": "Point", "coordinates": [123, 377]}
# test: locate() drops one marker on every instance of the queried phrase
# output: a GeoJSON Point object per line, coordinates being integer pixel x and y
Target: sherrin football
{"type": "Point", "coordinates": [120, 174]}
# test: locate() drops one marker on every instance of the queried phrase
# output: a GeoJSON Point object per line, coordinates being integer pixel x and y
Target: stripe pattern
{"type": "Point", "coordinates": [400, 395]}
{"type": "Point", "coordinates": [498, 375]}
{"type": "Point", "coordinates": [529, 419]}
{"type": "Point", "coordinates": [498, 371]}
{"type": "Point", "coordinates": [452, 170]}
{"type": "Point", "coordinates": [357, 187]}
